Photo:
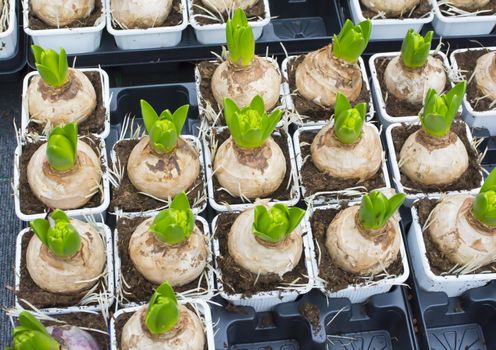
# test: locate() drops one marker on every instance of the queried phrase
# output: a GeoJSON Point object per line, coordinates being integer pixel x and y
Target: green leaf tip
{"type": "Point", "coordinates": [52, 66]}
{"type": "Point", "coordinates": [348, 121]}
{"type": "Point", "coordinates": [240, 39]}
{"type": "Point", "coordinates": [484, 206]}
{"type": "Point", "coordinates": [62, 147]}
{"type": "Point", "coordinates": [352, 41]}
{"type": "Point", "coordinates": [415, 49]}
{"type": "Point", "coordinates": [275, 224]}
{"type": "Point", "coordinates": [250, 126]}
{"type": "Point", "coordinates": [376, 209]}
{"type": "Point", "coordinates": [30, 334]}
{"type": "Point", "coordinates": [163, 311]}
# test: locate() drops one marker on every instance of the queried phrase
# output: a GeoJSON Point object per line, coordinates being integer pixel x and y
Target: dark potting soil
{"type": "Point", "coordinates": [467, 61]}
{"type": "Point", "coordinates": [239, 280]}
{"type": "Point", "coordinates": [312, 314]}
{"type": "Point", "coordinates": [28, 201]}
{"type": "Point", "coordinates": [469, 180]}
{"type": "Point", "coordinates": [95, 123]}
{"type": "Point", "coordinates": [437, 259]}
{"type": "Point", "coordinates": [280, 194]}
{"type": "Point", "coordinates": [36, 23]}
{"type": "Point", "coordinates": [336, 278]}
{"type": "Point", "coordinates": [316, 181]}
{"type": "Point", "coordinates": [310, 109]}
{"type": "Point", "coordinates": [174, 18]}
{"type": "Point", "coordinates": [420, 11]}
{"type": "Point", "coordinates": [254, 13]}
{"type": "Point", "coordinates": [128, 198]}
{"type": "Point", "coordinates": [490, 7]}
{"type": "Point", "coordinates": [136, 287]}
{"type": "Point", "coordinates": [394, 106]}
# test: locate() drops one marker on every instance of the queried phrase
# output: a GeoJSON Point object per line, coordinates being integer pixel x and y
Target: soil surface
{"type": "Point", "coordinates": [420, 11]}
{"type": "Point", "coordinates": [254, 13]}
{"type": "Point", "coordinates": [128, 198]}
{"type": "Point", "coordinates": [490, 7]}
{"type": "Point", "coordinates": [174, 18]}
{"type": "Point", "coordinates": [469, 180]}
{"type": "Point", "coordinates": [312, 314]}
{"type": "Point", "coordinates": [239, 280]}
{"type": "Point", "coordinates": [336, 278]}
{"type": "Point", "coordinates": [36, 23]}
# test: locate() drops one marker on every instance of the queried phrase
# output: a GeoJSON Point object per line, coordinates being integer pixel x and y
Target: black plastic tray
{"type": "Point", "coordinates": [9, 67]}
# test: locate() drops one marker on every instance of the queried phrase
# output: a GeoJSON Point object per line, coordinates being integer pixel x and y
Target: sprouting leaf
{"type": "Point", "coordinates": [348, 121]}
{"type": "Point", "coordinates": [376, 209]}
{"type": "Point", "coordinates": [62, 147]}
{"type": "Point", "coordinates": [484, 206]}
{"type": "Point", "coordinates": [415, 49]}
{"type": "Point", "coordinates": [53, 67]}
{"type": "Point", "coordinates": [240, 39]}
{"type": "Point", "coordinates": [275, 224]}
{"type": "Point", "coordinates": [163, 312]}
{"type": "Point", "coordinates": [31, 335]}
{"type": "Point", "coordinates": [352, 41]}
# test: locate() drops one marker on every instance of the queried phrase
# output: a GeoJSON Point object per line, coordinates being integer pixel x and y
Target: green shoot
{"type": "Point", "coordinates": [484, 206]}
{"type": "Point", "coordinates": [376, 209]}
{"type": "Point", "coordinates": [163, 312]}
{"type": "Point", "coordinates": [415, 49]}
{"type": "Point", "coordinates": [251, 126]}
{"type": "Point", "coordinates": [240, 39]}
{"type": "Point", "coordinates": [53, 67]}
{"type": "Point", "coordinates": [277, 223]}
{"type": "Point", "coordinates": [31, 335]}
{"type": "Point", "coordinates": [352, 40]}
{"type": "Point", "coordinates": [348, 121]}
{"type": "Point", "coordinates": [164, 129]}
{"type": "Point", "coordinates": [62, 147]}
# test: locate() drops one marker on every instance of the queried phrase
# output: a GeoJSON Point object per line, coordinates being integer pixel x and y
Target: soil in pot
{"type": "Point", "coordinates": [336, 278]}
{"type": "Point", "coordinates": [128, 198]}
{"type": "Point", "coordinates": [312, 314]}
{"type": "Point", "coordinates": [28, 202]}
{"type": "Point", "coordinates": [36, 23]}
{"type": "Point", "coordinates": [490, 8]}
{"type": "Point", "coordinates": [310, 109]}
{"type": "Point", "coordinates": [254, 13]}
{"type": "Point", "coordinates": [95, 123]}
{"type": "Point", "coordinates": [239, 280]}
{"type": "Point", "coordinates": [420, 11]}
{"type": "Point", "coordinates": [470, 179]}
{"type": "Point", "coordinates": [174, 18]}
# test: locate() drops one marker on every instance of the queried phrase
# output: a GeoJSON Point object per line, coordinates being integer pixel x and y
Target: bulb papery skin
{"type": "Point", "coordinates": [242, 84]}
{"type": "Point", "coordinates": [254, 173]}
{"type": "Point", "coordinates": [1, 6]}
{"type": "Point", "coordinates": [360, 160]}
{"type": "Point", "coordinates": [140, 14]}
{"type": "Point", "coordinates": [433, 161]}
{"type": "Point", "coordinates": [73, 102]}
{"type": "Point", "coordinates": [65, 190]}
{"type": "Point", "coordinates": [391, 7]}
{"type": "Point", "coordinates": [357, 251]}
{"type": "Point", "coordinates": [188, 334]}
{"type": "Point", "coordinates": [163, 175]}
{"type": "Point", "coordinates": [469, 4]}
{"type": "Point", "coordinates": [321, 76]}
{"type": "Point", "coordinates": [257, 257]}
{"type": "Point", "coordinates": [73, 338]}
{"type": "Point", "coordinates": [159, 262]}
{"type": "Point", "coordinates": [60, 13]}
{"type": "Point", "coordinates": [224, 6]}
{"type": "Point", "coordinates": [411, 84]}
{"type": "Point", "coordinates": [485, 75]}
{"type": "Point", "coordinates": [64, 275]}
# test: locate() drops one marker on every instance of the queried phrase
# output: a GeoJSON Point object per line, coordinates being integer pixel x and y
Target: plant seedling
{"type": "Point", "coordinates": [484, 206]}
{"type": "Point", "coordinates": [240, 39]}
{"type": "Point", "coordinates": [376, 209]}
{"type": "Point", "coordinates": [415, 49]}
{"type": "Point", "coordinates": [62, 147]}
{"type": "Point", "coordinates": [352, 41]}
{"type": "Point", "coordinates": [348, 121]}
{"type": "Point", "coordinates": [275, 224]}
{"type": "Point", "coordinates": [163, 312]}
{"type": "Point", "coordinates": [31, 335]}
{"type": "Point", "coordinates": [52, 66]}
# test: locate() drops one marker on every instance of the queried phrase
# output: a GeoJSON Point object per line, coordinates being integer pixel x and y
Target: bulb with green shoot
{"type": "Point", "coordinates": [163, 163]}
{"type": "Point", "coordinates": [164, 324]}
{"type": "Point", "coordinates": [335, 68]}
{"type": "Point", "coordinates": [250, 163]}
{"type": "Point", "coordinates": [64, 172]}
{"type": "Point", "coordinates": [349, 148]}
{"type": "Point", "coordinates": [365, 239]}
{"type": "Point", "coordinates": [267, 240]}
{"type": "Point", "coordinates": [170, 247]}
{"type": "Point", "coordinates": [435, 155]}
{"type": "Point", "coordinates": [244, 75]}
{"type": "Point", "coordinates": [391, 8]}
{"type": "Point", "coordinates": [58, 95]}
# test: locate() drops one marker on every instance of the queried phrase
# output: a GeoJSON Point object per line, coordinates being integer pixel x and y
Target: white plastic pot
{"type": "Point", "coordinates": [452, 26]}
{"type": "Point", "coordinates": [216, 33]}
{"type": "Point", "coordinates": [73, 40]}
{"type": "Point", "coordinates": [485, 120]}
{"type": "Point", "coordinates": [97, 212]}
{"type": "Point", "coordinates": [289, 98]}
{"type": "Point", "coordinates": [8, 38]}
{"type": "Point", "coordinates": [389, 28]}
{"type": "Point", "coordinates": [105, 97]}
{"type": "Point", "coordinates": [265, 301]}
{"type": "Point", "coordinates": [327, 198]}
{"type": "Point", "coordinates": [108, 298]}
{"type": "Point", "coordinates": [357, 293]}
{"type": "Point", "coordinates": [410, 197]}
{"type": "Point", "coordinates": [384, 117]}
{"type": "Point", "coordinates": [200, 305]}
{"type": "Point", "coordinates": [220, 207]}
{"type": "Point", "coordinates": [452, 285]}
{"type": "Point", "coordinates": [118, 276]}
{"type": "Point", "coordinates": [150, 38]}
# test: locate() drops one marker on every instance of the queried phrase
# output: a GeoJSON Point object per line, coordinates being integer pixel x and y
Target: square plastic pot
{"type": "Point", "coordinates": [150, 38]}
{"type": "Point", "coordinates": [109, 299]}
{"type": "Point", "coordinates": [73, 40]}
{"type": "Point", "coordinates": [105, 95]}
{"type": "Point", "coordinates": [389, 28]}
{"type": "Point", "coordinates": [8, 38]}
{"type": "Point", "coordinates": [216, 33]}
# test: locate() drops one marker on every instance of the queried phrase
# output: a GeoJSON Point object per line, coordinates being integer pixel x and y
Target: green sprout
{"type": "Point", "coordinates": [376, 209]}
{"type": "Point", "coordinates": [251, 126]}
{"type": "Point", "coordinates": [348, 121]}
{"type": "Point", "coordinates": [240, 39]}
{"type": "Point", "coordinates": [275, 224]}
{"type": "Point", "coordinates": [175, 224]}
{"type": "Point", "coordinates": [57, 233]}
{"type": "Point", "coordinates": [440, 111]}
{"type": "Point", "coordinates": [53, 67]}
{"type": "Point", "coordinates": [62, 147]}
{"type": "Point", "coordinates": [164, 129]}
{"type": "Point", "coordinates": [31, 335]}
{"type": "Point", "coordinates": [484, 206]}
{"type": "Point", "coordinates": [415, 49]}
{"type": "Point", "coordinates": [163, 312]}
{"type": "Point", "coordinates": [352, 40]}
